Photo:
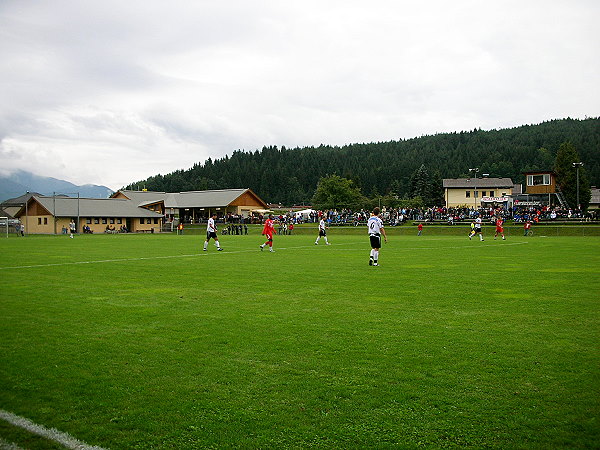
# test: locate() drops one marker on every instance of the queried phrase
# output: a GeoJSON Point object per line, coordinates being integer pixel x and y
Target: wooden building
{"type": "Point", "coordinates": [540, 182]}
{"type": "Point", "coordinates": [196, 206]}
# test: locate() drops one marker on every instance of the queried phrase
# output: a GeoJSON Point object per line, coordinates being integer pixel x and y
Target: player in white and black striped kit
{"type": "Point", "coordinates": [375, 226]}
{"type": "Point", "coordinates": [211, 232]}
{"type": "Point", "coordinates": [322, 231]}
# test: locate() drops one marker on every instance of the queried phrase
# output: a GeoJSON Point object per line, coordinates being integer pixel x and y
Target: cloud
{"type": "Point", "coordinates": [113, 92]}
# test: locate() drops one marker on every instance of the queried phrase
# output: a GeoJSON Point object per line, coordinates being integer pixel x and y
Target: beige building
{"type": "Point", "coordinates": [477, 192]}
{"type": "Point", "coordinates": [135, 211]}
{"type": "Point", "coordinates": [52, 215]}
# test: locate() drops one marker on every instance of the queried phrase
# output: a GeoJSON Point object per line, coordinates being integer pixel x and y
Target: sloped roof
{"type": "Point", "coordinates": [92, 207]}
{"type": "Point", "coordinates": [4, 213]}
{"type": "Point", "coordinates": [190, 199]}
{"type": "Point", "coordinates": [18, 201]}
{"type": "Point", "coordinates": [595, 200]}
{"type": "Point", "coordinates": [478, 183]}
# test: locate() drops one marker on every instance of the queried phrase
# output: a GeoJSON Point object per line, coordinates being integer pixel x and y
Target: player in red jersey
{"type": "Point", "coordinates": [268, 231]}
{"type": "Point", "coordinates": [499, 228]}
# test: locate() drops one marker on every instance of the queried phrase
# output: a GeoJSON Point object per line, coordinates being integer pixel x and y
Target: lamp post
{"type": "Point", "coordinates": [577, 165]}
{"type": "Point", "coordinates": [27, 212]}
{"type": "Point", "coordinates": [475, 171]}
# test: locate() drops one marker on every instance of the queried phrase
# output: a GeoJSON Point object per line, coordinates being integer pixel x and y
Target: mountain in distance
{"type": "Point", "coordinates": [20, 182]}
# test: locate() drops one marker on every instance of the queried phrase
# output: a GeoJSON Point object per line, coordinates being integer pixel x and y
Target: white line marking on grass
{"type": "Point", "coordinates": [99, 261]}
{"type": "Point", "coordinates": [52, 434]}
{"type": "Point", "coordinates": [358, 247]}
{"type": "Point", "coordinates": [146, 258]}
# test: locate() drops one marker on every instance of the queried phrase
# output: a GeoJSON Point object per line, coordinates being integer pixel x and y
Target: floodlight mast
{"type": "Point", "coordinates": [475, 171]}
{"type": "Point", "coordinates": [577, 165]}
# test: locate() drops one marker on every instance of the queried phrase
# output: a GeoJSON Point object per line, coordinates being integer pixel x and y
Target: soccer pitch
{"type": "Point", "coordinates": [146, 341]}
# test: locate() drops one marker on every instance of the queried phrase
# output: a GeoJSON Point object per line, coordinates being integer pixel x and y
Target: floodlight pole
{"type": "Point", "coordinates": [577, 165]}
{"type": "Point", "coordinates": [26, 212]}
{"type": "Point", "coordinates": [77, 229]}
{"type": "Point", "coordinates": [475, 171]}
{"type": "Point", "coordinates": [54, 212]}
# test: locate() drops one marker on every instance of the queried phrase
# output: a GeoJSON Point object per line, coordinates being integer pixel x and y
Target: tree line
{"type": "Point", "coordinates": [290, 175]}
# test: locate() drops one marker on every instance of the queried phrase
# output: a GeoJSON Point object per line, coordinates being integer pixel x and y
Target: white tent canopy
{"type": "Point", "coordinates": [304, 212]}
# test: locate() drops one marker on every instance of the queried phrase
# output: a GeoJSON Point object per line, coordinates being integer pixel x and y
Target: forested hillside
{"type": "Point", "coordinates": [290, 176]}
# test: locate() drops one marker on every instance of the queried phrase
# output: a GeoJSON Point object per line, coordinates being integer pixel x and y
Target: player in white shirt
{"type": "Point", "coordinates": [322, 233]}
{"type": "Point", "coordinates": [211, 232]}
{"type": "Point", "coordinates": [476, 228]}
{"type": "Point", "coordinates": [375, 226]}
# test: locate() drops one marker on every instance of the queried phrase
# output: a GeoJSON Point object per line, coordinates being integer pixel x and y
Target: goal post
{"type": "Point", "coordinates": [4, 226]}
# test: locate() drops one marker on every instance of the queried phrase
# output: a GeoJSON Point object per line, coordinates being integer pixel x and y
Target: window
{"type": "Point", "coordinates": [538, 180]}
{"type": "Point", "coordinates": [156, 221]}
{"type": "Point", "coordinates": [112, 221]}
{"type": "Point", "coordinates": [491, 193]}
{"type": "Point", "coordinates": [119, 221]}
{"type": "Point", "coordinates": [476, 194]}
{"type": "Point", "coordinates": [142, 221]}
{"type": "Point", "coordinates": [468, 194]}
{"type": "Point", "coordinates": [483, 193]}
{"type": "Point", "coordinates": [45, 221]}
{"type": "Point", "coordinates": [104, 221]}
{"type": "Point", "coordinates": [88, 221]}
{"type": "Point", "coordinates": [96, 220]}
{"type": "Point", "coordinates": [39, 220]}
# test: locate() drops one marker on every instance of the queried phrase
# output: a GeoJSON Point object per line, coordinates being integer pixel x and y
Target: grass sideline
{"type": "Point", "coordinates": [145, 341]}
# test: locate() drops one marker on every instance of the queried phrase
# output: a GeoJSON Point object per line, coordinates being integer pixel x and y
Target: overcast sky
{"type": "Point", "coordinates": [111, 92]}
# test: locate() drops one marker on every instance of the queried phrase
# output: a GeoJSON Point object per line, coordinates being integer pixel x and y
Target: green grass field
{"type": "Point", "coordinates": [145, 341]}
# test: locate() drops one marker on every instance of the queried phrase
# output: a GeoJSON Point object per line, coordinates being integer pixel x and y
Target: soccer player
{"type": "Point", "coordinates": [499, 228]}
{"type": "Point", "coordinates": [420, 228]}
{"type": "Point", "coordinates": [526, 228]}
{"type": "Point", "coordinates": [72, 228]}
{"type": "Point", "coordinates": [322, 232]}
{"type": "Point", "coordinates": [375, 227]}
{"type": "Point", "coordinates": [268, 231]}
{"type": "Point", "coordinates": [211, 232]}
{"type": "Point", "coordinates": [476, 228]}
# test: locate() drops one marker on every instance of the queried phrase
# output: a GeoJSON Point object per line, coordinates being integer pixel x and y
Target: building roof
{"type": "Point", "coordinates": [595, 200]}
{"type": "Point", "coordinates": [190, 199]}
{"type": "Point", "coordinates": [539, 172]}
{"type": "Point", "coordinates": [478, 183]}
{"type": "Point", "coordinates": [18, 201]}
{"type": "Point", "coordinates": [4, 213]}
{"type": "Point", "coordinates": [91, 207]}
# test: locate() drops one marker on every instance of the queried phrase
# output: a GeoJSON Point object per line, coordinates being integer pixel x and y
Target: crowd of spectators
{"type": "Point", "coordinates": [238, 224]}
{"type": "Point", "coordinates": [450, 216]}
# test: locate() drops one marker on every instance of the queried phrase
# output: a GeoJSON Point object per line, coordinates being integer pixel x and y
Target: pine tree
{"type": "Point", "coordinates": [567, 176]}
